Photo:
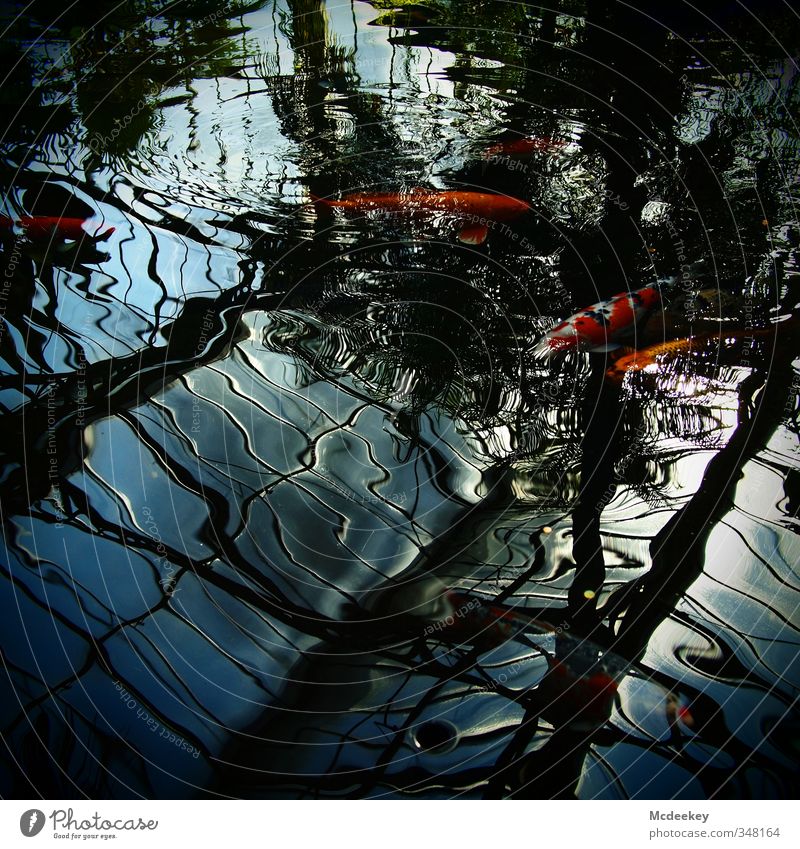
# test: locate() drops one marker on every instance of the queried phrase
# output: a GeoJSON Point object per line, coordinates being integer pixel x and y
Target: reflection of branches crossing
{"type": "Point", "coordinates": [291, 498]}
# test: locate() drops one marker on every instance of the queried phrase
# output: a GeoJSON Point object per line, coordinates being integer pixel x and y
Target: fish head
{"type": "Point", "coordinates": [513, 207]}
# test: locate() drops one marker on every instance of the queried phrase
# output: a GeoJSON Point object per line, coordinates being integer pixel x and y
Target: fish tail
{"type": "Point", "coordinates": [541, 351]}
{"type": "Point", "coordinates": [101, 236]}
{"type": "Point", "coordinates": [322, 206]}
{"type": "Point", "coordinates": [639, 360]}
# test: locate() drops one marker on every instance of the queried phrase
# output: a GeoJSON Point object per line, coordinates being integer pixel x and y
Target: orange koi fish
{"type": "Point", "coordinates": [639, 360]}
{"type": "Point", "coordinates": [479, 208]}
{"type": "Point", "coordinates": [524, 147]}
{"type": "Point", "coordinates": [42, 227]}
{"type": "Point", "coordinates": [729, 340]}
{"type": "Point", "coordinates": [600, 327]}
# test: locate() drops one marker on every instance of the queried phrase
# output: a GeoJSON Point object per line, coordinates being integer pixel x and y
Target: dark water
{"type": "Point", "coordinates": [248, 443]}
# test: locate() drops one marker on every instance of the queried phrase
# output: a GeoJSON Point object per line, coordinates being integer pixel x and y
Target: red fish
{"type": "Point", "coordinates": [524, 147]}
{"type": "Point", "coordinates": [41, 227]}
{"type": "Point", "coordinates": [678, 711]}
{"type": "Point", "coordinates": [600, 327]}
{"type": "Point", "coordinates": [579, 688]}
{"type": "Point", "coordinates": [580, 702]}
{"type": "Point", "coordinates": [479, 208]}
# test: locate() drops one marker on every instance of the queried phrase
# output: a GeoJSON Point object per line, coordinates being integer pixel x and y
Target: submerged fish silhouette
{"type": "Point", "coordinates": [580, 685]}
{"type": "Point", "coordinates": [602, 326]}
{"type": "Point", "coordinates": [408, 17]}
{"type": "Point", "coordinates": [383, 714]}
{"type": "Point", "coordinates": [39, 227]}
{"type": "Point", "coordinates": [479, 208]}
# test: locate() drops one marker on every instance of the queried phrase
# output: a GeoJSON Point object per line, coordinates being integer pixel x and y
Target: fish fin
{"type": "Point", "coordinates": [622, 351]}
{"type": "Point", "coordinates": [543, 349]}
{"type": "Point", "coordinates": [102, 236]}
{"type": "Point", "coordinates": [473, 234]}
{"type": "Point", "coordinates": [604, 349]}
